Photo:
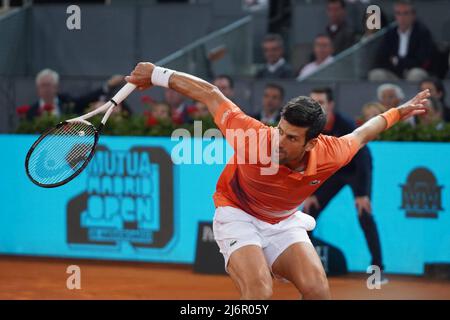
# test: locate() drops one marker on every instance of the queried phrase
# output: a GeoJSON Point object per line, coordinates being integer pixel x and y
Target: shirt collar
{"type": "Point", "coordinates": [311, 167]}
{"type": "Point", "coordinates": [406, 33]}
{"type": "Point", "coordinates": [276, 65]}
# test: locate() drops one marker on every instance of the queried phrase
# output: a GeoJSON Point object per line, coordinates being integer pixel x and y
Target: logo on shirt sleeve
{"type": "Point", "coordinates": [314, 182]}
{"type": "Point", "coordinates": [224, 116]}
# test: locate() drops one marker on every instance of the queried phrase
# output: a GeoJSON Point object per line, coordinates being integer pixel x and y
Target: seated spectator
{"type": "Point", "coordinates": [391, 96]}
{"type": "Point", "coordinates": [161, 111]}
{"type": "Point", "coordinates": [369, 111]}
{"type": "Point", "coordinates": [323, 52]}
{"type": "Point", "coordinates": [225, 84]}
{"type": "Point", "coordinates": [406, 51]}
{"type": "Point", "coordinates": [276, 66]}
{"type": "Point", "coordinates": [179, 106]}
{"type": "Point", "coordinates": [52, 102]}
{"type": "Point", "coordinates": [342, 35]}
{"type": "Point", "coordinates": [434, 114]}
{"type": "Point", "coordinates": [271, 105]}
{"type": "Point", "coordinates": [437, 90]}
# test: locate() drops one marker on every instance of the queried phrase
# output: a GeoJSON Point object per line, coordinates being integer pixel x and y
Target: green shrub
{"type": "Point", "coordinates": [117, 125]}
{"type": "Point", "coordinates": [136, 126]}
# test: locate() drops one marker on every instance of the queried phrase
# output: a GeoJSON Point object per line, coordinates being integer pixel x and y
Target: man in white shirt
{"type": "Point", "coordinates": [406, 51]}
{"type": "Point", "coordinates": [323, 53]}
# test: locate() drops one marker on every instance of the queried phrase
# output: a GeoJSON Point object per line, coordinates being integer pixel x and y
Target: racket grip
{"type": "Point", "coordinates": [123, 93]}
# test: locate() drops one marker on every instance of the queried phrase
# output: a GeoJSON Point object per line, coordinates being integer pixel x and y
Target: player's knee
{"type": "Point", "coordinates": [257, 288]}
{"type": "Point", "coordinates": [316, 286]}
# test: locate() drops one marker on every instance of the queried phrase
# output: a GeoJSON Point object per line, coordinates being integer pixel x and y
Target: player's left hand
{"type": "Point", "coordinates": [363, 203]}
{"type": "Point", "coordinates": [415, 106]}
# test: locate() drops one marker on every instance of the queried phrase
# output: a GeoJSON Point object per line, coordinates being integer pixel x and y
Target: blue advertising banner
{"type": "Point", "coordinates": [134, 203]}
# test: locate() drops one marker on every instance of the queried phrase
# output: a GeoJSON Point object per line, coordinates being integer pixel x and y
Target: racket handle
{"type": "Point", "coordinates": [123, 93]}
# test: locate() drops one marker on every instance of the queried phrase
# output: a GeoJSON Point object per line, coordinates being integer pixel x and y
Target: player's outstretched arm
{"type": "Point", "coordinates": [372, 128]}
{"type": "Point", "coordinates": [146, 74]}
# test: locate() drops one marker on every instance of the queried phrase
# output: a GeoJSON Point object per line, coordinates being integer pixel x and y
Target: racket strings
{"type": "Point", "coordinates": [61, 153]}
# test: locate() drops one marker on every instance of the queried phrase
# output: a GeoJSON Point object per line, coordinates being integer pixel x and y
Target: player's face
{"type": "Point", "coordinates": [292, 147]}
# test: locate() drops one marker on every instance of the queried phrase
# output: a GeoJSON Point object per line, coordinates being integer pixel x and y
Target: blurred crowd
{"type": "Point", "coordinates": [407, 52]}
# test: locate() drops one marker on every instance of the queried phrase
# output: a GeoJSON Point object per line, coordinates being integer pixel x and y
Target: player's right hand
{"type": "Point", "coordinates": [310, 202]}
{"type": "Point", "coordinates": [141, 75]}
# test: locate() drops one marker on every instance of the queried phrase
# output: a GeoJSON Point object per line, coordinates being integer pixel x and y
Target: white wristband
{"type": "Point", "coordinates": [160, 76]}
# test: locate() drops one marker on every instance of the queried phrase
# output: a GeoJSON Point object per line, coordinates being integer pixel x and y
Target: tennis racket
{"type": "Point", "coordinates": [62, 152]}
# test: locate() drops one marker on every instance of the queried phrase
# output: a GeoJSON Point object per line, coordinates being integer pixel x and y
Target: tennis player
{"type": "Point", "coordinates": [257, 225]}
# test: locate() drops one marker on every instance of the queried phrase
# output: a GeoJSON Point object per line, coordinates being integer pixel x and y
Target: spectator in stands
{"type": "Point", "coordinates": [437, 90]}
{"type": "Point", "coordinates": [370, 110]}
{"type": "Point", "coordinates": [52, 102]}
{"type": "Point", "coordinates": [180, 107]}
{"type": "Point", "coordinates": [225, 84]}
{"type": "Point", "coordinates": [271, 104]}
{"type": "Point", "coordinates": [434, 114]}
{"type": "Point", "coordinates": [276, 66]}
{"type": "Point", "coordinates": [390, 95]}
{"type": "Point", "coordinates": [161, 111]}
{"type": "Point", "coordinates": [357, 174]}
{"type": "Point", "coordinates": [323, 53]}
{"type": "Point", "coordinates": [406, 51]}
{"type": "Point", "coordinates": [342, 35]}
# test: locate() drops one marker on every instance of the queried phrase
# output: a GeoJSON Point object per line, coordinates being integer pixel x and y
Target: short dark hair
{"type": "Point", "coordinates": [306, 113]}
{"type": "Point", "coordinates": [274, 37]}
{"type": "Point", "coordinates": [341, 2]}
{"type": "Point", "coordinates": [227, 77]}
{"type": "Point", "coordinates": [322, 35]}
{"type": "Point", "coordinates": [326, 90]}
{"type": "Point", "coordinates": [406, 3]}
{"type": "Point", "coordinates": [277, 87]}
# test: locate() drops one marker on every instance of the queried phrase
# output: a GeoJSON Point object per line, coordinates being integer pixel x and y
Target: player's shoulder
{"type": "Point", "coordinates": [330, 143]}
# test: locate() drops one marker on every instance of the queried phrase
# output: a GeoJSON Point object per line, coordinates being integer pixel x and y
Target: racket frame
{"type": "Point", "coordinates": [108, 108]}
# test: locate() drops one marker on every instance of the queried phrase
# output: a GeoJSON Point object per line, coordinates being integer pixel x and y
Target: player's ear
{"type": "Point", "coordinates": [310, 144]}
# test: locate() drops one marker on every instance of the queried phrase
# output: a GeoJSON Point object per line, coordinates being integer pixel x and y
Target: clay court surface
{"type": "Point", "coordinates": [45, 278]}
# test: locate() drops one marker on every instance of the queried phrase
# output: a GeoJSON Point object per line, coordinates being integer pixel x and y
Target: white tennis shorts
{"type": "Point", "coordinates": [234, 229]}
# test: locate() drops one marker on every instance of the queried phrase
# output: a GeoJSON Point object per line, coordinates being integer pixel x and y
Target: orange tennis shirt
{"type": "Point", "coordinates": [273, 198]}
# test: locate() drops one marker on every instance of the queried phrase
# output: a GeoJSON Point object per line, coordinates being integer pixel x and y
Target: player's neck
{"type": "Point", "coordinates": [299, 164]}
